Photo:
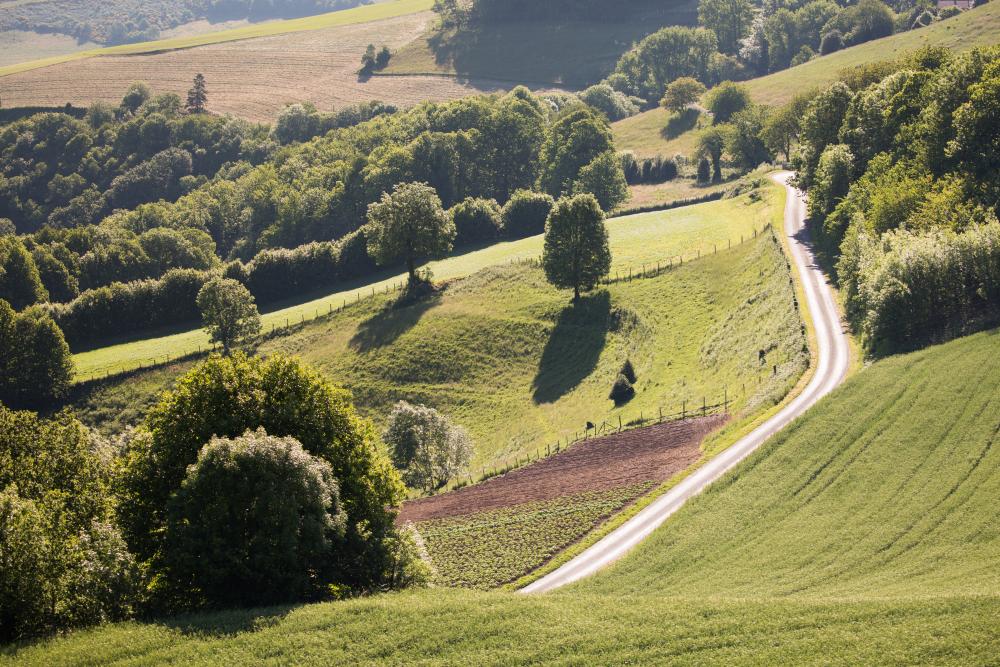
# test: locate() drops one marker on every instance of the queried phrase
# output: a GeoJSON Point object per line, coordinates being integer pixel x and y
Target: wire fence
{"type": "Point", "coordinates": [293, 323]}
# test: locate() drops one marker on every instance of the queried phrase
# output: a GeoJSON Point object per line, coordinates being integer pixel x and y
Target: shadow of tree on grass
{"type": "Point", "coordinates": [679, 123]}
{"type": "Point", "coordinates": [386, 326]}
{"type": "Point", "coordinates": [573, 348]}
{"type": "Point", "coordinates": [228, 623]}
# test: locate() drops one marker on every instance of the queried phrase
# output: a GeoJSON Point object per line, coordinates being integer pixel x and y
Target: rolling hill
{"type": "Point", "coordinates": [865, 534]}
{"type": "Point", "coordinates": [637, 240]}
{"type": "Point", "coordinates": [647, 134]}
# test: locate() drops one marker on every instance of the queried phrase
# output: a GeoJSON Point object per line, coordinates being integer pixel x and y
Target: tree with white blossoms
{"type": "Point", "coordinates": [426, 446]}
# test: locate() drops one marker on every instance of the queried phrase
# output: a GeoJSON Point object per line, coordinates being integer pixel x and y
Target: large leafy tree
{"type": "Point", "coordinates": [681, 93]}
{"type": "Point", "coordinates": [572, 142]}
{"type": "Point", "coordinates": [576, 253]}
{"type": "Point", "coordinates": [711, 144]}
{"type": "Point", "coordinates": [226, 397]}
{"type": "Point", "coordinates": [410, 226]}
{"type": "Point", "coordinates": [229, 312]}
{"type": "Point", "coordinates": [728, 19]}
{"type": "Point", "coordinates": [35, 362]}
{"type": "Point", "coordinates": [605, 179]}
{"type": "Point", "coordinates": [20, 282]}
{"type": "Point", "coordinates": [256, 521]}
{"type": "Point", "coordinates": [726, 100]}
{"type": "Point", "coordinates": [426, 446]}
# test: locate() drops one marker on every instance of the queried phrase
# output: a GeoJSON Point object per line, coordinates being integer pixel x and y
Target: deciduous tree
{"type": "Point", "coordinates": [229, 312]}
{"type": "Point", "coordinates": [576, 253]}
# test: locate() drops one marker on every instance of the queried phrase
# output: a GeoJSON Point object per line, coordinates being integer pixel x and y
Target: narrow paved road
{"type": "Point", "coordinates": [834, 358]}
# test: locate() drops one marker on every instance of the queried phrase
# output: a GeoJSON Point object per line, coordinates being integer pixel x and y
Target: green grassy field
{"type": "Point", "coordinates": [647, 135]}
{"type": "Point", "coordinates": [362, 14]}
{"type": "Point", "coordinates": [886, 489]}
{"type": "Point", "coordinates": [865, 534]}
{"type": "Point", "coordinates": [635, 240]}
{"type": "Point", "coordinates": [549, 52]}
{"type": "Point", "coordinates": [507, 356]}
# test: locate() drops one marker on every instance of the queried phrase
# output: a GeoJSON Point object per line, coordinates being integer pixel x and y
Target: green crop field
{"type": "Point", "coordinates": [362, 14]}
{"type": "Point", "coordinates": [886, 489]}
{"type": "Point", "coordinates": [488, 549]}
{"type": "Point", "coordinates": [505, 355]}
{"type": "Point", "coordinates": [864, 534]}
{"type": "Point", "coordinates": [647, 134]}
{"type": "Point", "coordinates": [635, 240]}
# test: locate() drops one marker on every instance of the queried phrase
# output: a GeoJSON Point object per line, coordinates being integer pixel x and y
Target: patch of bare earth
{"type": "Point", "coordinates": [652, 454]}
{"type": "Point", "coordinates": [253, 78]}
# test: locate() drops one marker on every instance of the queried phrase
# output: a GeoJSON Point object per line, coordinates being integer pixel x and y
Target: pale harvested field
{"type": "Point", "coordinates": [254, 78]}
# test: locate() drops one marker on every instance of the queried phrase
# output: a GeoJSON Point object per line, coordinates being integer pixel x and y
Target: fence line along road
{"type": "Point", "coordinates": [834, 357]}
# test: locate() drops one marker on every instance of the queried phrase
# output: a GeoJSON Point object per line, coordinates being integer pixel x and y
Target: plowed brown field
{"type": "Point", "coordinates": [655, 454]}
{"type": "Point", "coordinates": [253, 78]}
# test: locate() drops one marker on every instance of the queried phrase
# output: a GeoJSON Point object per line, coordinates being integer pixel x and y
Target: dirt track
{"type": "Point", "coordinates": [649, 454]}
{"type": "Point", "coordinates": [253, 78]}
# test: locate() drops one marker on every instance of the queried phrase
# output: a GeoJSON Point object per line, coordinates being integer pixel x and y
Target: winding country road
{"type": "Point", "coordinates": [834, 357]}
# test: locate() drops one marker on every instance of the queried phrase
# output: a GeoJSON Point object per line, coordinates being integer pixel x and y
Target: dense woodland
{"type": "Point", "coordinates": [124, 21]}
{"type": "Point", "coordinates": [128, 209]}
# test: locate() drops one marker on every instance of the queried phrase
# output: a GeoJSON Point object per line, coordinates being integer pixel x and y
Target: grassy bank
{"type": "Point", "coordinates": [635, 240]}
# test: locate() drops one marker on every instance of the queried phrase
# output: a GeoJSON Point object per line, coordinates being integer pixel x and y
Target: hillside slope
{"type": "Point", "coordinates": [646, 133]}
{"type": "Point", "coordinates": [635, 240]}
{"type": "Point", "coordinates": [865, 535]}
{"type": "Point", "coordinates": [886, 489]}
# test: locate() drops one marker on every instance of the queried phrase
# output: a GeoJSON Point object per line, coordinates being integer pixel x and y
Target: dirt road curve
{"type": "Point", "coordinates": [834, 358]}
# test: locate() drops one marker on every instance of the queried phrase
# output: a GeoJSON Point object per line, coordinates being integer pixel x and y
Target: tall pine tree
{"type": "Point", "coordinates": [198, 95]}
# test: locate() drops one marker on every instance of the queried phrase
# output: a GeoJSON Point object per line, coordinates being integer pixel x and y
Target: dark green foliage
{"type": "Point", "coordinates": [302, 122]}
{"type": "Point", "coordinates": [745, 144]}
{"type": "Point", "coordinates": [35, 362]}
{"type": "Point", "coordinates": [726, 100]}
{"type": "Point", "coordinates": [573, 141]}
{"type": "Point", "coordinates": [605, 179]}
{"type": "Point", "coordinates": [256, 521]}
{"type": "Point", "coordinates": [62, 562]}
{"type": "Point", "coordinates": [576, 253]}
{"type": "Point", "coordinates": [711, 144]}
{"type": "Point", "coordinates": [476, 221]}
{"type": "Point", "coordinates": [649, 170]}
{"type": "Point", "coordinates": [229, 313]}
{"type": "Point", "coordinates": [832, 41]}
{"type": "Point", "coordinates": [20, 283]}
{"type": "Point", "coordinates": [901, 202]}
{"type": "Point", "coordinates": [728, 19]}
{"type": "Point", "coordinates": [525, 214]}
{"type": "Point", "coordinates": [197, 97]}
{"type": "Point", "coordinates": [226, 397]}
{"type": "Point", "coordinates": [664, 56]}
{"type": "Point", "coordinates": [622, 391]}
{"type": "Point", "coordinates": [409, 226]}
{"type": "Point", "coordinates": [612, 103]}
{"type": "Point", "coordinates": [157, 177]}
{"type": "Point", "coordinates": [628, 371]}
{"type": "Point", "coordinates": [704, 170]}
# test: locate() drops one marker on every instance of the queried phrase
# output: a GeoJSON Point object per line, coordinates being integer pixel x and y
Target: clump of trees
{"type": "Point", "coordinates": [900, 167]}
{"type": "Point", "coordinates": [476, 221]}
{"type": "Point", "coordinates": [374, 60]}
{"type": "Point", "coordinates": [623, 390]}
{"type": "Point", "coordinates": [428, 449]}
{"type": "Point", "coordinates": [576, 253]}
{"type": "Point", "coordinates": [35, 363]}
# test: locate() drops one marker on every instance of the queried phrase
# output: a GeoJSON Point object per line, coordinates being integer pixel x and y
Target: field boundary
{"type": "Point", "coordinates": [360, 14]}
{"type": "Point", "coordinates": [322, 314]}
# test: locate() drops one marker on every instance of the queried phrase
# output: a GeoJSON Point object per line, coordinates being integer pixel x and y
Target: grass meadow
{"type": "Point", "coordinates": [636, 240]}
{"type": "Point", "coordinates": [508, 357]}
{"type": "Point", "coordinates": [864, 534]}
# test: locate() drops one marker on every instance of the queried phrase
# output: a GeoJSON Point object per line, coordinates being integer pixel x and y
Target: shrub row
{"type": "Point", "coordinates": [650, 170]}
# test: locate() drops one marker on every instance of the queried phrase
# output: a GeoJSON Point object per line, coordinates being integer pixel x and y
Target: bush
{"type": "Point", "coordinates": [280, 273]}
{"type": "Point", "coordinates": [226, 397]}
{"type": "Point", "coordinates": [256, 521]}
{"type": "Point", "coordinates": [622, 391]}
{"type": "Point", "coordinates": [426, 446]}
{"type": "Point", "coordinates": [725, 100]}
{"type": "Point", "coordinates": [62, 562]}
{"type": "Point", "coordinates": [525, 214]}
{"type": "Point", "coordinates": [832, 41]}
{"type": "Point", "coordinates": [476, 221]}
{"type": "Point", "coordinates": [914, 288]}
{"type": "Point", "coordinates": [35, 363]}
{"type": "Point", "coordinates": [610, 102]}
{"type": "Point", "coordinates": [704, 170]}
{"type": "Point", "coordinates": [604, 179]}
{"type": "Point", "coordinates": [628, 371]}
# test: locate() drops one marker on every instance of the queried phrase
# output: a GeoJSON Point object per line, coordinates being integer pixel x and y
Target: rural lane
{"type": "Point", "coordinates": [833, 361]}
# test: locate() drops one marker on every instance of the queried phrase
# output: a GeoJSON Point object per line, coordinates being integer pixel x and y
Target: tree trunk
{"type": "Point", "coordinates": [576, 293]}
{"type": "Point", "coordinates": [411, 267]}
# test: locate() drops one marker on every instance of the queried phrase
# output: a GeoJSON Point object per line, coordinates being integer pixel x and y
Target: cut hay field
{"type": "Point", "coordinates": [495, 532]}
{"type": "Point", "coordinates": [635, 240]}
{"type": "Point", "coordinates": [506, 356]}
{"type": "Point", "coordinates": [865, 534]}
{"type": "Point", "coordinates": [354, 16]}
{"type": "Point", "coordinates": [647, 134]}
{"type": "Point", "coordinates": [251, 78]}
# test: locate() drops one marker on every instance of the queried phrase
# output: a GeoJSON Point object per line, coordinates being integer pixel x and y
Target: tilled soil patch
{"type": "Point", "coordinates": [655, 453]}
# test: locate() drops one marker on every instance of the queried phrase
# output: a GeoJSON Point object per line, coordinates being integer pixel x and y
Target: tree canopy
{"type": "Point", "coordinates": [409, 226]}
{"type": "Point", "coordinates": [576, 253]}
